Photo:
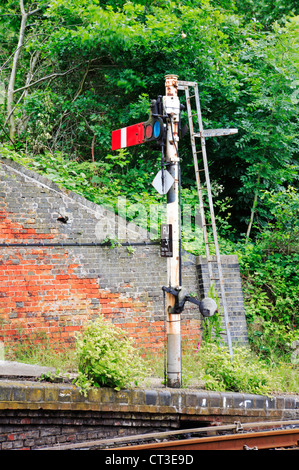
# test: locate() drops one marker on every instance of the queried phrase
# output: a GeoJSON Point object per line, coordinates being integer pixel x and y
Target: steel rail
{"type": "Point", "coordinates": [110, 443]}
{"type": "Point", "coordinates": [252, 440]}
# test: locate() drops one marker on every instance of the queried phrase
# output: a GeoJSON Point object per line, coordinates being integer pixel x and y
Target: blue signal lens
{"type": "Point", "coordinates": [157, 129]}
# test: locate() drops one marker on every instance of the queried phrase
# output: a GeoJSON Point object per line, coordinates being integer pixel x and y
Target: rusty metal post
{"type": "Point", "coordinates": [172, 108]}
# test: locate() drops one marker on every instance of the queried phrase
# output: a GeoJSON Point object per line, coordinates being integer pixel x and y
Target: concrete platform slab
{"type": "Point", "coordinates": [18, 369]}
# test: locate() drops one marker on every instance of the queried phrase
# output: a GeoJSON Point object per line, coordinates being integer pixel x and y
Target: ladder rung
{"type": "Point", "coordinates": [196, 134]}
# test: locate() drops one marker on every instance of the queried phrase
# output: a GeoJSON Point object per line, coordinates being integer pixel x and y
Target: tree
{"type": "Point", "coordinates": [31, 38]}
{"type": "Point", "coordinates": [98, 66]}
{"type": "Point", "coordinates": [25, 15]}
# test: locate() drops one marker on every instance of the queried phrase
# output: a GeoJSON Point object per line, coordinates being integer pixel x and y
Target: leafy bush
{"type": "Point", "coordinates": [106, 357]}
{"type": "Point", "coordinates": [270, 340]}
{"type": "Point", "coordinates": [269, 268]}
{"type": "Point", "coordinates": [282, 232]}
{"type": "Point", "coordinates": [271, 290]}
{"type": "Point", "coordinates": [245, 373]}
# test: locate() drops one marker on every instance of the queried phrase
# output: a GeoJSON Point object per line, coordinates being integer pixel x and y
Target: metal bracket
{"type": "Point", "coordinates": [206, 306]}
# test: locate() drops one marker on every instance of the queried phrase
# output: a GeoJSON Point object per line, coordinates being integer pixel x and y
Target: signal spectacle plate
{"type": "Point", "coordinates": [148, 131]}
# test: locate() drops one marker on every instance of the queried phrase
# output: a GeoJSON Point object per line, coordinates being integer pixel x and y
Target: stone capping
{"type": "Point", "coordinates": [29, 395]}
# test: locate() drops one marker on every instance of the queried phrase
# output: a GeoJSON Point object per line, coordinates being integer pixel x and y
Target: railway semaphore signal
{"type": "Point", "coordinates": [154, 129]}
{"type": "Point", "coordinates": [163, 127]}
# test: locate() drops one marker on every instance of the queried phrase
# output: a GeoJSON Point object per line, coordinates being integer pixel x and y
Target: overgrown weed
{"type": "Point", "coordinates": [208, 367]}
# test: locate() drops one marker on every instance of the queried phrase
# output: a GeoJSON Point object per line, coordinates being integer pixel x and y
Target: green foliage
{"type": "Point", "coordinates": [212, 328]}
{"type": "Point", "coordinates": [211, 368]}
{"type": "Point", "coordinates": [270, 278]}
{"type": "Point", "coordinates": [272, 284]}
{"type": "Point", "coordinates": [281, 235]}
{"type": "Point", "coordinates": [267, 11]}
{"type": "Point", "coordinates": [36, 348]}
{"type": "Point", "coordinates": [270, 340]}
{"type": "Point", "coordinates": [102, 182]}
{"type": "Point", "coordinates": [96, 66]}
{"type": "Point", "coordinates": [106, 357]}
{"type": "Point", "coordinates": [244, 374]}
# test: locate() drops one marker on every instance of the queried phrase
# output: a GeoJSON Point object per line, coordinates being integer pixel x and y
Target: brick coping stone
{"type": "Point", "coordinates": [32, 395]}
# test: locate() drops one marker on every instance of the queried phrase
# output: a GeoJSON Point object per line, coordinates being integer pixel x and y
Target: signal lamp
{"type": "Point", "coordinates": [154, 129]}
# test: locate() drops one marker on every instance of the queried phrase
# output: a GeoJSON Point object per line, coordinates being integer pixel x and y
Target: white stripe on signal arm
{"type": "Point", "coordinates": [123, 139]}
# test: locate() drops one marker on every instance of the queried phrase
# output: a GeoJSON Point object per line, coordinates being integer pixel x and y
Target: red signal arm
{"type": "Point", "coordinates": [128, 136]}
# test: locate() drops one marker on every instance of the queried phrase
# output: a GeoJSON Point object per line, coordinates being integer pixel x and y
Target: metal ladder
{"type": "Point", "coordinates": [182, 85]}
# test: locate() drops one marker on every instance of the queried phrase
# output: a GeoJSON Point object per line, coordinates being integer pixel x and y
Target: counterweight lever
{"type": "Point", "coordinates": [207, 306]}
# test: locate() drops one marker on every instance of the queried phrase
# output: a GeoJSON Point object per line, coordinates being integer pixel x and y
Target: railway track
{"type": "Point", "coordinates": [285, 436]}
{"type": "Point", "coordinates": [282, 439]}
{"type": "Point", "coordinates": [237, 436]}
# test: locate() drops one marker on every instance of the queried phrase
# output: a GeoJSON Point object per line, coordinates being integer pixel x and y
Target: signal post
{"type": "Point", "coordinates": [171, 105]}
{"type": "Point", "coordinates": [163, 128]}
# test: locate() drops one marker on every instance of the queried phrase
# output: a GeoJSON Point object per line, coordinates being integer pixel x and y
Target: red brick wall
{"type": "Point", "coordinates": [38, 296]}
{"type": "Point", "coordinates": [34, 300]}
{"type": "Point", "coordinates": [54, 291]}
